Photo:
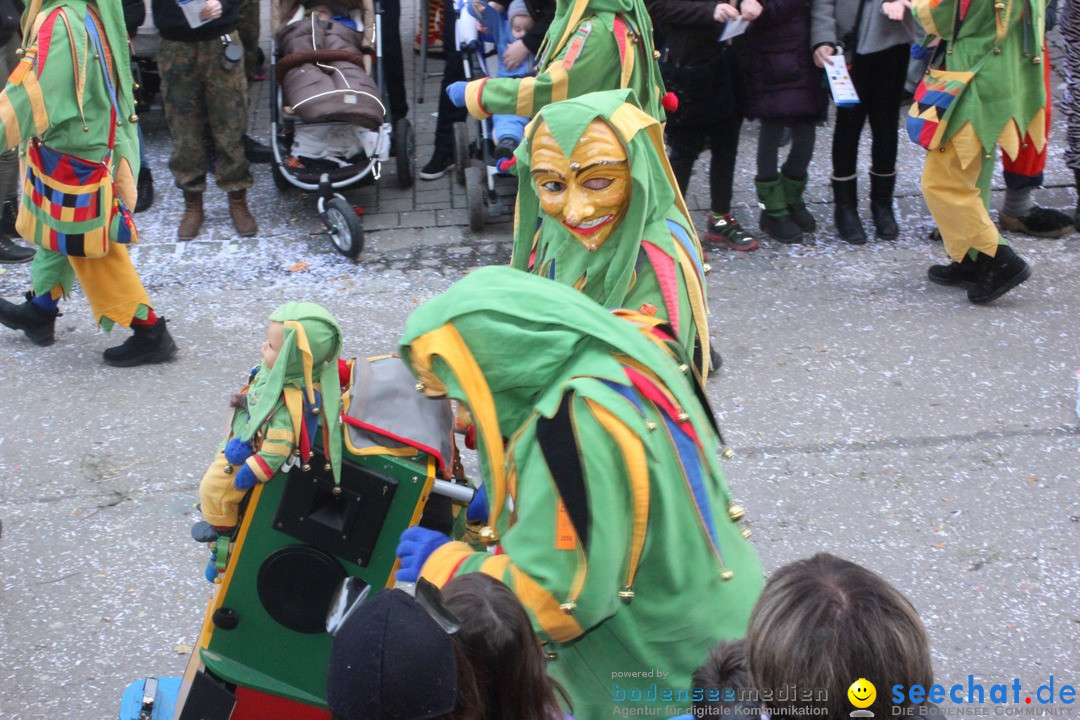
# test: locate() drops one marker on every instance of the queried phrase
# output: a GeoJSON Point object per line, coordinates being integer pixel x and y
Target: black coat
{"type": "Point", "coordinates": [778, 65]}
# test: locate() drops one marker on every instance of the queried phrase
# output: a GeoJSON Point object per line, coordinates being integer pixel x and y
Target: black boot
{"type": "Point", "coordinates": [848, 224]}
{"type": "Point", "coordinates": [997, 275]}
{"type": "Point", "coordinates": [11, 252]}
{"type": "Point", "coordinates": [145, 187]}
{"type": "Point", "coordinates": [881, 205]}
{"type": "Point", "coordinates": [256, 152]}
{"type": "Point", "coordinates": [775, 220]}
{"type": "Point", "coordinates": [955, 273]}
{"type": "Point", "coordinates": [7, 219]}
{"type": "Point", "coordinates": [147, 344]}
{"type": "Point", "coordinates": [39, 325]}
{"type": "Point", "coordinates": [796, 205]}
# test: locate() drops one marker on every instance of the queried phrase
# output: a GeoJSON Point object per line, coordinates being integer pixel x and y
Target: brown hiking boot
{"type": "Point", "coordinates": [242, 219]}
{"type": "Point", "coordinates": [193, 216]}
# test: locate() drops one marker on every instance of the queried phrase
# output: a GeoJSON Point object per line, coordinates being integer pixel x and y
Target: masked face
{"type": "Point", "coordinates": [587, 192]}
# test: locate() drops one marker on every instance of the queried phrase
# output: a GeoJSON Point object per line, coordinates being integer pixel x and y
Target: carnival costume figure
{"type": "Point", "coordinates": [602, 486]}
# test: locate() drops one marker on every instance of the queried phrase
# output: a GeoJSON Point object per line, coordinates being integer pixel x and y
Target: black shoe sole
{"type": "Point", "coordinates": [158, 356]}
{"type": "Point", "coordinates": [1004, 287]}
{"type": "Point", "coordinates": [948, 283]}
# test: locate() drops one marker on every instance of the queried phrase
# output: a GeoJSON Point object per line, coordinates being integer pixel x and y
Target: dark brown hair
{"type": "Point", "coordinates": [503, 649]}
{"type": "Point", "coordinates": [823, 623]}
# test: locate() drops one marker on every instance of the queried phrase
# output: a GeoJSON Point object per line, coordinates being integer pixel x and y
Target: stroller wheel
{"type": "Point", "coordinates": [345, 228]}
{"type": "Point", "coordinates": [405, 149]}
{"type": "Point", "coordinates": [474, 195]}
{"type": "Point", "coordinates": [461, 152]}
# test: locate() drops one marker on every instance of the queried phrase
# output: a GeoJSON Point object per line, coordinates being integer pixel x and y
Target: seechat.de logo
{"type": "Point", "coordinates": [862, 694]}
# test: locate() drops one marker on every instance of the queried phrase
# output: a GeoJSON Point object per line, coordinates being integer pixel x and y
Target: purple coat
{"type": "Point", "coordinates": [782, 81]}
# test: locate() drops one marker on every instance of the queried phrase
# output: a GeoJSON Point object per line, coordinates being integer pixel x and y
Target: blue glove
{"type": "Point", "coordinates": [237, 451]}
{"type": "Point", "coordinates": [456, 92]}
{"type": "Point", "coordinates": [415, 548]}
{"type": "Point", "coordinates": [245, 478]}
{"type": "Point", "coordinates": [478, 509]}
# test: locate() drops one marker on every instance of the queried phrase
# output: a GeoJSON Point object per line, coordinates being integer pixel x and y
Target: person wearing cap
{"type": "Point", "coordinates": [604, 498]}
{"type": "Point", "coordinates": [296, 381]}
{"type": "Point", "coordinates": [391, 660]}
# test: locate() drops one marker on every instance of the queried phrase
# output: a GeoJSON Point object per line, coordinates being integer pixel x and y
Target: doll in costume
{"type": "Point", "coordinates": [591, 45]}
{"type": "Point", "coordinates": [612, 222]}
{"type": "Point", "coordinates": [293, 393]}
{"type": "Point", "coordinates": [1003, 104]}
{"type": "Point", "coordinates": [604, 497]}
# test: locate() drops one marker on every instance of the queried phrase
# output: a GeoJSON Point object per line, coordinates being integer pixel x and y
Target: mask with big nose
{"type": "Point", "coordinates": [589, 191]}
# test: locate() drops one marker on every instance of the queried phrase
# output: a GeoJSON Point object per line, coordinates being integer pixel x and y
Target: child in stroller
{"type": "Point", "coordinates": [504, 25]}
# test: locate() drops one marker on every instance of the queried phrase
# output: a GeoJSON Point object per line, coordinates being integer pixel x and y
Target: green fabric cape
{"type": "Point", "coordinates": [311, 326]}
{"type": "Point", "coordinates": [655, 200]}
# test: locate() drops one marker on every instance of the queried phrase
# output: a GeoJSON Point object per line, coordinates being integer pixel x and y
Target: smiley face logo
{"type": "Point", "coordinates": [862, 693]}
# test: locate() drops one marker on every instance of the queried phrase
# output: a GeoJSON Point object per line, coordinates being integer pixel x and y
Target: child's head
{"type": "Point", "coordinates": [504, 651]}
{"type": "Point", "coordinates": [520, 19]}
{"type": "Point", "coordinates": [824, 622]}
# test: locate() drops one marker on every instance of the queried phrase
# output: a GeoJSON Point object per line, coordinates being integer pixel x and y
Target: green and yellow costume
{"type": "Point", "coordinates": [1004, 102]}
{"type": "Point", "coordinates": [277, 402]}
{"type": "Point", "coordinates": [591, 45]}
{"type": "Point", "coordinates": [614, 525]}
{"type": "Point", "coordinates": [653, 256]}
{"type": "Point", "coordinates": [58, 94]}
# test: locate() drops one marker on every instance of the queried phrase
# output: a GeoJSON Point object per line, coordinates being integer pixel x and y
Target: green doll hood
{"type": "Point", "coordinates": [506, 343]}
{"type": "Point", "coordinates": [308, 359]}
{"type": "Point", "coordinates": [654, 200]}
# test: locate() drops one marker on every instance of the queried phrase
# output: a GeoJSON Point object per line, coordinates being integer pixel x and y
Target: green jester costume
{"type": "Point", "coordinates": [651, 256]}
{"type": "Point", "coordinates": [606, 504]}
{"type": "Point", "coordinates": [591, 45]}
{"type": "Point", "coordinates": [275, 418]}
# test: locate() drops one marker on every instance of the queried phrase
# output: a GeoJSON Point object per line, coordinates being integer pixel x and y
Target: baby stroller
{"type": "Point", "coordinates": [328, 127]}
{"type": "Point", "coordinates": [475, 164]}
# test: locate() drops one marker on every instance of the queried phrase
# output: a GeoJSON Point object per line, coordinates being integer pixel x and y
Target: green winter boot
{"type": "Point", "coordinates": [793, 196]}
{"type": "Point", "coordinates": [775, 220]}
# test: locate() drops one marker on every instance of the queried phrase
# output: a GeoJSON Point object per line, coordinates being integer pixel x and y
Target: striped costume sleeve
{"type": "Point", "coordinates": [22, 102]}
{"type": "Point", "coordinates": [589, 66]}
{"type": "Point", "coordinates": [935, 16]}
{"type": "Point", "coordinates": [567, 586]}
{"type": "Point", "coordinates": [278, 443]}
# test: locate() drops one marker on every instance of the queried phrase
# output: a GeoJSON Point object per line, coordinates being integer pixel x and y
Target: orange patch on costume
{"type": "Point", "coordinates": [565, 538]}
{"type": "Point", "coordinates": [27, 62]}
{"type": "Point", "coordinates": [576, 44]}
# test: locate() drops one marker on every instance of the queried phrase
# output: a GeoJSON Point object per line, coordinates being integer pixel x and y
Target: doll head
{"type": "Point", "coordinates": [589, 190]}
{"type": "Point", "coordinates": [275, 338]}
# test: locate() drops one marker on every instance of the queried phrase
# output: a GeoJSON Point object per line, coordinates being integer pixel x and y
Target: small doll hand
{"type": "Point", "coordinates": [245, 478]}
{"type": "Point", "coordinates": [237, 451]}
{"type": "Point", "coordinates": [414, 549]}
{"type": "Point", "coordinates": [456, 93]}
{"type": "Point", "coordinates": [478, 509]}
{"type": "Point", "coordinates": [895, 9]}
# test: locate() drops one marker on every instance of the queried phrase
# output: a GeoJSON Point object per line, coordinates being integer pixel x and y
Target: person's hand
{"type": "Point", "coordinates": [724, 12]}
{"type": "Point", "coordinates": [414, 548]}
{"type": "Point", "coordinates": [245, 478]}
{"type": "Point", "coordinates": [212, 11]}
{"type": "Point", "coordinates": [895, 9]}
{"type": "Point", "coordinates": [823, 54]}
{"type": "Point", "coordinates": [515, 54]}
{"type": "Point", "coordinates": [456, 92]}
{"type": "Point", "coordinates": [751, 9]}
{"type": "Point", "coordinates": [237, 451]}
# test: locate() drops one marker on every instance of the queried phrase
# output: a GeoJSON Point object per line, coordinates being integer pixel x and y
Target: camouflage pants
{"type": "Point", "coordinates": [204, 103]}
{"type": "Point", "coordinates": [247, 24]}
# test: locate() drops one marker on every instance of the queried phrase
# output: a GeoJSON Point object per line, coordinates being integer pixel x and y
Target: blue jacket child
{"type": "Point", "coordinates": [504, 26]}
